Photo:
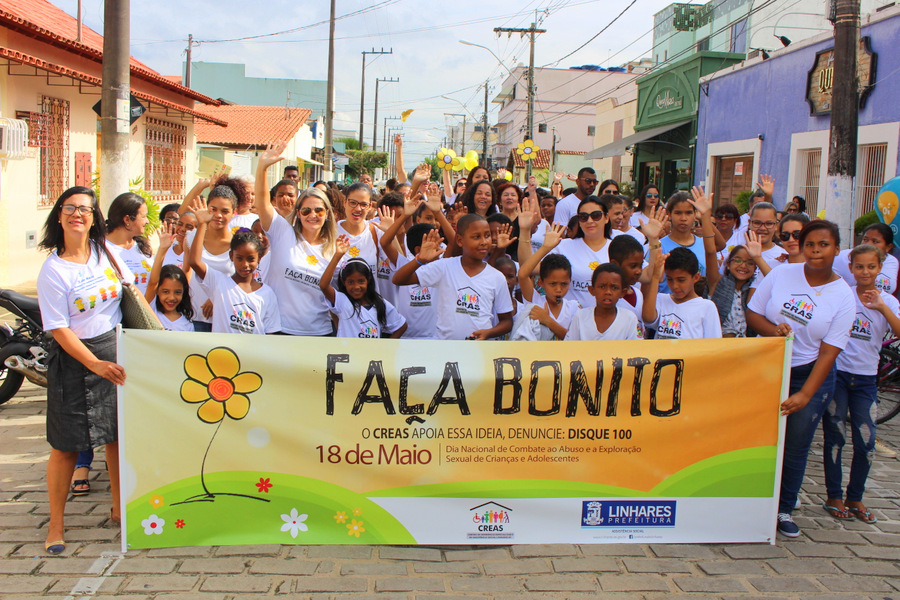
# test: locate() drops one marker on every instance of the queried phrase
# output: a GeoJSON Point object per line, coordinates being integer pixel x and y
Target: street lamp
{"type": "Point", "coordinates": [463, 131]}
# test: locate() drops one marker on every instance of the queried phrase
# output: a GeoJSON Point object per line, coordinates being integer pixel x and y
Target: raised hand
{"type": "Point", "coordinates": [554, 235]}
{"type": "Point", "coordinates": [530, 213]}
{"type": "Point", "coordinates": [198, 207]}
{"type": "Point", "coordinates": [166, 235]}
{"type": "Point", "coordinates": [767, 184]}
{"type": "Point", "coordinates": [503, 236]}
{"type": "Point", "coordinates": [423, 173]}
{"type": "Point", "coordinates": [701, 202]}
{"type": "Point", "coordinates": [558, 176]}
{"type": "Point", "coordinates": [872, 299]}
{"type": "Point", "coordinates": [431, 247]}
{"type": "Point", "coordinates": [753, 245]}
{"type": "Point", "coordinates": [655, 224]}
{"type": "Point", "coordinates": [433, 197]}
{"type": "Point", "coordinates": [411, 204]}
{"type": "Point", "coordinates": [398, 141]}
{"type": "Point", "coordinates": [385, 218]}
{"type": "Point", "coordinates": [272, 154]}
{"type": "Point", "coordinates": [532, 184]}
{"type": "Point", "coordinates": [501, 173]}
{"type": "Point", "coordinates": [342, 244]}
{"type": "Point", "coordinates": [571, 177]}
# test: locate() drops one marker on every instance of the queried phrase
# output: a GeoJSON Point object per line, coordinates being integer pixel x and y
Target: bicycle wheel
{"type": "Point", "coordinates": [888, 385]}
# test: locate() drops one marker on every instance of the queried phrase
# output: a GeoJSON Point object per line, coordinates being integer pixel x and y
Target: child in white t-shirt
{"type": "Point", "coordinates": [606, 320]}
{"type": "Point", "coordinates": [855, 387]}
{"type": "Point", "coordinates": [168, 291]}
{"type": "Point", "coordinates": [467, 291]}
{"type": "Point", "coordinates": [553, 311]}
{"type": "Point", "coordinates": [680, 314]}
{"type": "Point", "coordinates": [240, 303]}
{"type": "Point", "coordinates": [360, 309]}
{"type": "Point", "coordinates": [628, 253]}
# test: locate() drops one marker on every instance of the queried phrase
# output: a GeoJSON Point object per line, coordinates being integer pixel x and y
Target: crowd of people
{"type": "Point", "coordinates": [479, 259]}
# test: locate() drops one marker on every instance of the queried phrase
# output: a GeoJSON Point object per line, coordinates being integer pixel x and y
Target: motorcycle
{"type": "Point", "coordinates": [23, 347]}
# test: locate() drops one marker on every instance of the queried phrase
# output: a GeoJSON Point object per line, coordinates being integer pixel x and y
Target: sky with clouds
{"type": "Point", "coordinates": [427, 57]}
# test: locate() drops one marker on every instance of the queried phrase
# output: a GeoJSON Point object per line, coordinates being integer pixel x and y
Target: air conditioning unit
{"type": "Point", "coordinates": [13, 138]}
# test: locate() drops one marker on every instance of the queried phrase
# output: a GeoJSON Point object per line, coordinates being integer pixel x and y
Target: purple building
{"type": "Point", "coordinates": [771, 116]}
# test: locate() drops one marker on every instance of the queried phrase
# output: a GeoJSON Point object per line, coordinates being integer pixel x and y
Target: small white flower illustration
{"type": "Point", "coordinates": [153, 524]}
{"type": "Point", "coordinates": [294, 523]}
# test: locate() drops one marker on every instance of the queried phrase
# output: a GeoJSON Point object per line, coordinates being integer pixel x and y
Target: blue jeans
{"type": "Point", "coordinates": [85, 458]}
{"type": "Point", "coordinates": [855, 394]}
{"type": "Point", "coordinates": [202, 327]}
{"type": "Point", "coordinates": [798, 435]}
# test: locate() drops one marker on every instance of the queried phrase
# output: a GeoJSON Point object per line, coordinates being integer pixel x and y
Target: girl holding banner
{"type": "Point", "coordinates": [811, 301]}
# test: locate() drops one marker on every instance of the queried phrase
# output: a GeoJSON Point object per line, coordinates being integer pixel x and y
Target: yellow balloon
{"type": "Point", "coordinates": [473, 154]}
{"type": "Point", "coordinates": [821, 214]}
{"type": "Point", "coordinates": [470, 162]}
{"type": "Point", "coordinates": [888, 203]}
{"type": "Point", "coordinates": [508, 176]}
{"type": "Point", "coordinates": [458, 167]}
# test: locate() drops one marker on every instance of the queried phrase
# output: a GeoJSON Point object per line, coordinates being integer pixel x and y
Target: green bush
{"type": "Point", "coordinates": [742, 201]}
{"type": "Point", "coordinates": [864, 221]}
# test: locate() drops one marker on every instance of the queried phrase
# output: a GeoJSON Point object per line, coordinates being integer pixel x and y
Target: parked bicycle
{"type": "Point", "coordinates": [888, 381]}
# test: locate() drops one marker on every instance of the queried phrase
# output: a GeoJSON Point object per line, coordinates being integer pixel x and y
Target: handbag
{"type": "Point", "coordinates": [135, 313]}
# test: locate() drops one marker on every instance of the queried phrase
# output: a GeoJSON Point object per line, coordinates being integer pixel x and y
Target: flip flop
{"type": "Point", "coordinates": [57, 547]}
{"type": "Point", "coordinates": [865, 516]}
{"type": "Point", "coordinates": [81, 487]}
{"type": "Point", "coordinates": [837, 513]}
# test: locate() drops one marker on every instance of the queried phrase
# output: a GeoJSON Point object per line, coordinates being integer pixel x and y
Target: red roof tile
{"type": "Point", "coordinates": [27, 59]}
{"type": "Point", "coordinates": [42, 20]}
{"type": "Point", "coordinates": [250, 125]}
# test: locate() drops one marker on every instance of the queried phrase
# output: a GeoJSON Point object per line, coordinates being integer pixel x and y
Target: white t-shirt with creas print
{"type": "Point", "coordinates": [583, 261]}
{"type": "Point", "coordinates": [692, 319]}
{"type": "Point", "coordinates": [362, 322]}
{"type": "Point", "coordinates": [820, 314]}
{"type": "Point", "coordinates": [236, 311]}
{"type": "Point", "coordinates": [860, 357]}
{"type": "Point", "coordinates": [415, 303]}
{"type": "Point", "coordinates": [584, 327]}
{"type": "Point", "coordinates": [464, 304]}
{"type": "Point", "coordinates": [886, 281]}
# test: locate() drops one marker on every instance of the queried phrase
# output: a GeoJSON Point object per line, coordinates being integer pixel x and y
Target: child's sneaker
{"type": "Point", "coordinates": [786, 526]}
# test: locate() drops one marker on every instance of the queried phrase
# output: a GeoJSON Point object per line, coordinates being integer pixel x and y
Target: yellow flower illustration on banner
{"type": "Point", "coordinates": [447, 159]}
{"type": "Point", "coordinates": [527, 150]}
{"type": "Point", "coordinates": [215, 381]}
{"type": "Point", "coordinates": [157, 501]}
{"type": "Point", "coordinates": [340, 516]}
{"type": "Point", "coordinates": [355, 527]}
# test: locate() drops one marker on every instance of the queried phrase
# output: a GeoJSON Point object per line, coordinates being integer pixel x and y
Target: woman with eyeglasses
{"type": "Point", "coordinates": [79, 296]}
{"type": "Point", "coordinates": [648, 200]}
{"type": "Point", "coordinates": [586, 251]}
{"type": "Point", "coordinates": [300, 249]}
{"type": "Point", "coordinates": [880, 236]}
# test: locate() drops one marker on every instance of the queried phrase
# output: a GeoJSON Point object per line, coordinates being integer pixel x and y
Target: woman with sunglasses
{"type": "Point", "coordinates": [880, 236]}
{"type": "Point", "coordinates": [586, 251]}
{"type": "Point", "coordinates": [300, 250]}
{"type": "Point", "coordinates": [789, 236]}
{"type": "Point", "coordinates": [648, 200]}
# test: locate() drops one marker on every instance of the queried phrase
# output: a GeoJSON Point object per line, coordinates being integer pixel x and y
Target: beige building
{"type": "Point", "coordinates": [49, 131]}
{"type": "Point", "coordinates": [615, 120]}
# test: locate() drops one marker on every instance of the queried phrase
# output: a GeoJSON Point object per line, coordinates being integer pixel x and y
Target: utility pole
{"type": "Point", "coordinates": [187, 69]}
{"type": "Point", "coordinates": [362, 90]}
{"type": "Point", "coordinates": [115, 101]}
{"type": "Point", "coordinates": [453, 131]}
{"type": "Point", "coordinates": [375, 120]}
{"type": "Point", "coordinates": [328, 174]}
{"type": "Point", "coordinates": [484, 128]}
{"type": "Point", "coordinates": [388, 139]}
{"type": "Point", "coordinates": [552, 158]}
{"type": "Point", "coordinates": [840, 201]}
{"type": "Point", "coordinates": [531, 32]}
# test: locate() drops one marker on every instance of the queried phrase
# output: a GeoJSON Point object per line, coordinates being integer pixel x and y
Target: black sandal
{"type": "Point", "coordinates": [81, 487]}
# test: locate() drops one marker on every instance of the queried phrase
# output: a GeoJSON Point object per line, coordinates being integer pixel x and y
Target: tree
{"type": "Point", "coordinates": [436, 171]}
{"type": "Point", "coordinates": [363, 161]}
{"type": "Point", "coordinates": [351, 143]}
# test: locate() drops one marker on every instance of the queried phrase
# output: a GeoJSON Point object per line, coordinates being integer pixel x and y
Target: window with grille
{"type": "Point", "coordinates": [164, 155]}
{"type": "Point", "coordinates": [810, 165]}
{"type": "Point", "coordinates": [49, 131]}
{"type": "Point", "coordinates": [542, 128]}
{"type": "Point", "coordinates": [870, 161]}
{"type": "Point", "coordinates": [592, 130]}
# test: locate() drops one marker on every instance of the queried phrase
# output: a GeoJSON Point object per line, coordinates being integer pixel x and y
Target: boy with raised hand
{"type": "Point", "coordinates": [467, 292]}
{"type": "Point", "coordinates": [680, 314]}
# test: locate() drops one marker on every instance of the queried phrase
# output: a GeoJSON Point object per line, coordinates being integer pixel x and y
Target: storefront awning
{"type": "Point", "coordinates": [618, 147]}
{"type": "Point", "coordinates": [301, 160]}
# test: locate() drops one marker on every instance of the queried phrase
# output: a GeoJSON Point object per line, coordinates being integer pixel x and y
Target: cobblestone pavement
{"type": "Point", "coordinates": [831, 559]}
